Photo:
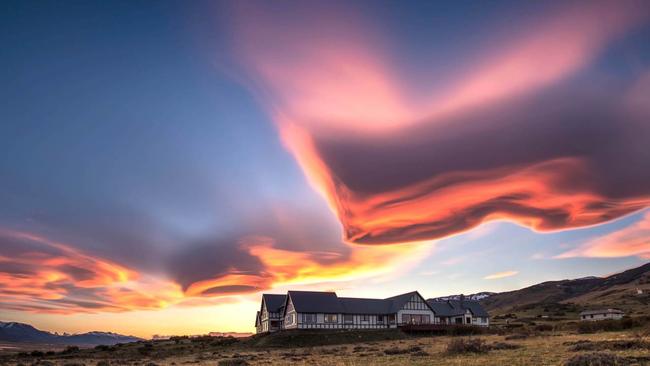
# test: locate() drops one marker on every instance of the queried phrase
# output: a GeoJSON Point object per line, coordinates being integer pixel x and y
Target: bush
{"type": "Point", "coordinates": [37, 354]}
{"type": "Point", "coordinates": [516, 336]}
{"type": "Point", "coordinates": [460, 346]}
{"type": "Point", "coordinates": [543, 327]}
{"type": "Point", "coordinates": [596, 359]}
{"type": "Point", "coordinates": [584, 345]}
{"type": "Point", "coordinates": [396, 351]}
{"type": "Point", "coordinates": [465, 330]}
{"type": "Point", "coordinates": [607, 325]}
{"type": "Point", "coordinates": [70, 349]}
{"type": "Point", "coordinates": [503, 345]}
{"type": "Point", "coordinates": [233, 362]}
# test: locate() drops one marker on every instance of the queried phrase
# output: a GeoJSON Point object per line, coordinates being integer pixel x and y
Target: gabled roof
{"type": "Point", "coordinates": [397, 302]}
{"type": "Point", "coordinates": [474, 306]}
{"type": "Point", "coordinates": [328, 302]}
{"type": "Point", "coordinates": [274, 302]}
{"type": "Point", "coordinates": [457, 307]}
{"type": "Point", "coordinates": [443, 308]}
{"type": "Point", "coordinates": [315, 302]}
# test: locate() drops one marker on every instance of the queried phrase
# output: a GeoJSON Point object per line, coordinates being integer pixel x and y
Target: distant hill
{"type": "Point", "coordinates": [628, 290]}
{"type": "Point", "coordinates": [20, 332]}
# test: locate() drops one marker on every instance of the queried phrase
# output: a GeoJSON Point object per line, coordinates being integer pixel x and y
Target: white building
{"type": "Point", "coordinates": [460, 312]}
{"type": "Point", "coordinates": [325, 310]}
{"type": "Point", "coordinates": [269, 317]}
{"type": "Point", "coordinates": [603, 314]}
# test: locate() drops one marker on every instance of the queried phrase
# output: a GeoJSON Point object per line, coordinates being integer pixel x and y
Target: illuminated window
{"type": "Point", "coordinates": [331, 318]}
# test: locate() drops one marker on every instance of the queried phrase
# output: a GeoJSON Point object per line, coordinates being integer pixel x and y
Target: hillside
{"type": "Point", "coordinates": [556, 298]}
{"type": "Point", "coordinates": [20, 332]}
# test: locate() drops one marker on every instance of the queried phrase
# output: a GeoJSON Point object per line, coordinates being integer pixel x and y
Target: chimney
{"type": "Point", "coordinates": [462, 300]}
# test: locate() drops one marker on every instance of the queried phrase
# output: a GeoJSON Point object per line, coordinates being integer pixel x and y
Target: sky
{"type": "Point", "coordinates": [164, 163]}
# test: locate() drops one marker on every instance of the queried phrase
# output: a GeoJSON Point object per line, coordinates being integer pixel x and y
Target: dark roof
{"type": "Point", "coordinates": [397, 302]}
{"type": "Point", "coordinates": [274, 302]}
{"type": "Point", "coordinates": [352, 305]}
{"type": "Point", "coordinates": [457, 307]}
{"type": "Point", "coordinates": [315, 302]}
{"type": "Point", "coordinates": [443, 308]}
{"type": "Point", "coordinates": [328, 302]}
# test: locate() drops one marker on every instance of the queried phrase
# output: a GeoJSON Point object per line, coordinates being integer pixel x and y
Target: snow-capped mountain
{"type": "Point", "coordinates": [475, 297]}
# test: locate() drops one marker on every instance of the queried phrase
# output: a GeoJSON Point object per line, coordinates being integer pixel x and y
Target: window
{"type": "Point", "coordinates": [331, 318]}
{"type": "Point", "coordinates": [380, 318]}
{"type": "Point", "coordinates": [309, 318]}
{"type": "Point", "coordinates": [391, 318]}
{"type": "Point", "coordinates": [468, 320]}
{"type": "Point", "coordinates": [365, 318]}
{"type": "Point", "coordinates": [348, 319]}
{"type": "Point", "coordinates": [417, 319]}
{"type": "Point", "coordinates": [289, 319]}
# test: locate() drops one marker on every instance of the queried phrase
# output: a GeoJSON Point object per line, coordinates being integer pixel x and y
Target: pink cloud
{"type": "Point", "coordinates": [633, 240]}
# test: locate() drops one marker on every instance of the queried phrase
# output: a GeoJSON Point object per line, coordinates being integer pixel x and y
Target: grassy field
{"type": "Point", "coordinates": [628, 347]}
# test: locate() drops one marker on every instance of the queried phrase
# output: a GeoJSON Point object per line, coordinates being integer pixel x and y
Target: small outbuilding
{"type": "Point", "coordinates": [602, 314]}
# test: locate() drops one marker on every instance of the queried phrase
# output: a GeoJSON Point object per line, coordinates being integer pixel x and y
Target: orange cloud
{"type": "Point", "coordinates": [333, 88]}
{"type": "Point", "coordinates": [633, 240]}
{"type": "Point", "coordinates": [283, 267]}
{"type": "Point", "coordinates": [498, 275]}
{"type": "Point", "coordinates": [47, 276]}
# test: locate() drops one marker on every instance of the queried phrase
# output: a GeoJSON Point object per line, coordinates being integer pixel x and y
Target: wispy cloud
{"type": "Point", "coordinates": [498, 275]}
{"type": "Point", "coordinates": [633, 240]}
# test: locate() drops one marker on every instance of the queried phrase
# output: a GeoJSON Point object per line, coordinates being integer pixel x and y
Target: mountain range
{"type": "Point", "coordinates": [628, 290]}
{"type": "Point", "coordinates": [20, 332]}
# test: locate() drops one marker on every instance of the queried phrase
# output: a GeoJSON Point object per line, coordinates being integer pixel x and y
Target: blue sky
{"type": "Point", "coordinates": [165, 158]}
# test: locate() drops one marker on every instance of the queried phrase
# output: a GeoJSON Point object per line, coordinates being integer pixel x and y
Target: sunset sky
{"type": "Point", "coordinates": [163, 163]}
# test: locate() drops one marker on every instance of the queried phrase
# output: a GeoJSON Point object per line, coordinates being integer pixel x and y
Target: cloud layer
{"type": "Point", "coordinates": [37, 274]}
{"type": "Point", "coordinates": [519, 135]}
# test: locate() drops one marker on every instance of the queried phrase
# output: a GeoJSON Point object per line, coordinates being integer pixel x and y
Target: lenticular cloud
{"type": "Point", "coordinates": [518, 135]}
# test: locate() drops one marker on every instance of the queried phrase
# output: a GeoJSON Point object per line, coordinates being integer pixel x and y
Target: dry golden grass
{"type": "Point", "coordinates": [548, 349]}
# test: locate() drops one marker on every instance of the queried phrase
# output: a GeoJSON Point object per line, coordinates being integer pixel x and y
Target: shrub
{"type": "Point", "coordinates": [608, 325]}
{"type": "Point", "coordinates": [37, 354]}
{"type": "Point", "coordinates": [516, 336]}
{"type": "Point", "coordinates": [596, 359]}
{"type": "Point", "coordinates": [503, 345]}
{"type": "Point", "coordinates": [70, 349]}
{"type": "Point", "coordinates": [420, 354]}
{"type": "Point", "coordinates": [465, 330]}
{"type": "Point", "coordinates": [396, 351]}
{"type": "Point", "coordinates": [460, 346]}
{"type": "Point", "coordinates": [233, 362]}
{"type": "Point", "coordinates": [543, 327]}
{"type": "Point", "coordinates": [103, 363]}
{"type": "Point", "coordinates": [612, 345]}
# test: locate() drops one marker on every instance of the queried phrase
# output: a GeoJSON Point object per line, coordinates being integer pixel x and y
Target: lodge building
{"type": "Point", "coordinates": [325, 310]}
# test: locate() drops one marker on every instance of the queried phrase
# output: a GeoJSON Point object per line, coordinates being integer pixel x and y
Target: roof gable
{"type": "Point", "coordinates": [397, 302]}
{"type": "Point", "coordinates": [457, 307]}
{"type": "Point", "coordinates": [274, 302]}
